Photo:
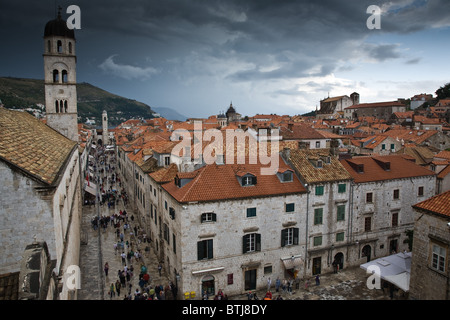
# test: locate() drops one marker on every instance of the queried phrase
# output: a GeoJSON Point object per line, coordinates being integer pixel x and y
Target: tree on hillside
{"type": "Point", "coordinates": [443, 92]}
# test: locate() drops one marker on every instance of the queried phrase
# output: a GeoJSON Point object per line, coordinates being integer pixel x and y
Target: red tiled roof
{"type": "Point", "coordinates": [373, 170]}
{"type": "Point", "coordinates": [439, 204]}
{"type": "Point", "coordinates": [219, 182]}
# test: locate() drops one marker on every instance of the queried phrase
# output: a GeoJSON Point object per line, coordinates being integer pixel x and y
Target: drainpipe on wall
{"type": "Point", "coordinates": [306, 229]}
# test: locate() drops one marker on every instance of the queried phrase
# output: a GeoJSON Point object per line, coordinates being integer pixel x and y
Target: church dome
{"type": "Point", "coordinates": [58, 27]}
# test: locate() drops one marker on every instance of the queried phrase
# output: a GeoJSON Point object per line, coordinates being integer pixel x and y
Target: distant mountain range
{"type": "Point", "coordinates": [170, 114]}
{"type": "Point", "coordinates": [23, 93]}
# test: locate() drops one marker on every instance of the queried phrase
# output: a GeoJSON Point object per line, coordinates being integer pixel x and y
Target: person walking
{"type": "Point", "coordinates": [317, 280]}
{"type": "Point", "coordinates": [277, 284]}
{"type": "Point", "coordinates": [111, 291]}
{"type": "Point", "coordinates": [159, 268]}
{"type": "Point", "coordinates": [106, 268]}
{"type": "Point", "coordinates": [118, 286]}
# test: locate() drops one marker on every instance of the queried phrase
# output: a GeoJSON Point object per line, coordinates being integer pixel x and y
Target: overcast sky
{"type": "Point", "coordinates": [283, 57]}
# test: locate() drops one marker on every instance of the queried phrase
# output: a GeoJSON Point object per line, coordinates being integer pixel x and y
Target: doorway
{"type": "Point", "coordinates": [208, 286]}
{"type": "Point", "coordinates": [339, 259]}
{"type": "Point", "coordinates": [317, 265]}
{"type": "Point", "coordinates": [250, 279]}
{"type": "Point", "coordinates": [393, 246]}
{"type": "Point", "coordinates": [366, 252]}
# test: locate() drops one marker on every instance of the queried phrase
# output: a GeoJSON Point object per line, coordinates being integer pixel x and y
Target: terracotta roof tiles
{"type": "Point", "coordinates": [378, 168]}
{"type": "Point", "coordinates": [31, 145]}
{"type": "Point", "coordinates": [439, 204]}
{"type": "Point", "coordinates": [220, 182]}
{"type": "Point", "coordinates": [302, 161]}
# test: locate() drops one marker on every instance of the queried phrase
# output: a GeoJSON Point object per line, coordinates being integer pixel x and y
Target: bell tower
{"type": "Point", "coordinates": [105, 134]}
{"type": "Point", "coordinates": [60, 78]}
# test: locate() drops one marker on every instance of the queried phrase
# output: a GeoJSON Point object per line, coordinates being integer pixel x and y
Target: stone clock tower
{"type": "Point", "coordinates": [60, 78]}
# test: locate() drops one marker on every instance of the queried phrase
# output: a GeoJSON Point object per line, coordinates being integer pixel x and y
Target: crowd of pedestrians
{"type": "Point", "coordinates": [128, 282]}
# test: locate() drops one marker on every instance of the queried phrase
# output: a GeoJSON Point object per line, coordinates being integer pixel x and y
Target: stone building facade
{"type": "Point", "coordinates": [40, 186]}
{"type": "Point", "coordinates": [382, 192]}
{"type": "Point", "coordinates": [430, 268]}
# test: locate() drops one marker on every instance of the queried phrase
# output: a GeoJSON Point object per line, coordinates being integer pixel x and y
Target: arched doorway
{"type": "Point", "coordinates": [339, 259]}
{"type": "Point", "coordinates": [208, 285]}
{"type": "Point", "coordinates": [366, 252]}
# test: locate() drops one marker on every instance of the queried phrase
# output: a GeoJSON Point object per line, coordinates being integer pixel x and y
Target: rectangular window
{"type": "Point", "coordinates": [166, 161]}
{"type": "Point", "coordinates": [383, 147]}
{"type": "Point", "coordinates": [319, 190]}
{"type": "Point", "coordinates": [208, 217]}
{"type": "Point", "coordinates": [368, 224]}
{"type": "Point", "coordinates": [339, 236]}
{"type": "Point", "coordinates": [317, 144]}
{"type": "Point", "coordinates": [420, 192]}
{"type": "Point", "coordinates": [395, 219]}
{"type": "Point", "coordinates": [290, 207]}
{"type": "Point", "coordinates": [392, 146]}
{"type": "Point", "coordinates": [318, 215]}
{"type": "Point", "coordinates": [317, 241]}
{"type": "Point", "coordinates": [341, 212]}
{"type": "Point", "coordinates": [438, 258]}
{"type": "Point", "coordinates": [166, 233]}
{"type": "Point", "coordinates": [205, 249]}
{"type": "Point", "coordinates": [369, 197]}
{"type": "Point", "coordinates": [268, 269]}
{"type": "Point", "coordinates": [251, 242]}
{"type": "Point", "coordinates": [396, 194]}
{"type": "Point", "coordinates": [229, 278]}
{"type": "Point", "coordinates": [174, 243]}
{"type": "Point", "coordinates": [289, 237]}
{"type": "Point", "coordinates": [342, 187]}
{"type": "Point", "coordinates": [251, 212]}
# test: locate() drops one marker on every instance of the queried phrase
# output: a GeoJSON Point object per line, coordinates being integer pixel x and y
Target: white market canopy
{"type": "Point", "coordinates": [394, 269]}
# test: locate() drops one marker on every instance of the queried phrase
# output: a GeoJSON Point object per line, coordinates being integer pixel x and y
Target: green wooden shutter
{"type": "Point", "coordinates": [283, 237]}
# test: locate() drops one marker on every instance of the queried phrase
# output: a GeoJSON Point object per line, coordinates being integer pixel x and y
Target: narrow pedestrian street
{"type": "Point", "coordinates": [102, 244]}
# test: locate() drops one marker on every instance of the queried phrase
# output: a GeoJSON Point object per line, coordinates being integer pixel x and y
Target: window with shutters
{"type": "Point", "coordinates": [341, 212]}
{"type": "Point", "coordinates": [317, 241]}
{"type": "Point", "coordinates": [341, 187]}
{"type": "Point", "coordinates": [289, 237]}
{"type": "Point", "coordinates": [208, 217]}
{"type": "Point", "coordinates": [205, 249]}
{"type": "Point", "coordinates": [251, 242]}
{"type": "Point", "coordinates": [367, 223]}
{"type": "Point", "coordinates": [339, 236]}
{"type": "Point", "coordinates": [395, 219]}
{"type": "Point", "coordinates": [318, 216]}
{"type": "Point", "coordinates": [319, 190]}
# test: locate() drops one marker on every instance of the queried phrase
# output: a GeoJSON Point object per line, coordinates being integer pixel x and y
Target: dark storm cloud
{"type": "Point", "coordinates": [382, 52]}
{"type": "Point", "coordinates": [193, 45]}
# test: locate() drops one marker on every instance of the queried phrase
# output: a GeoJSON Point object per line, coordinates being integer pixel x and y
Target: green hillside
{"type": "Point", "coordinates": [22, 93]}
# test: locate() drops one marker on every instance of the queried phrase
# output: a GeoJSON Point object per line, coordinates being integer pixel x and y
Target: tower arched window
{"type": "Point", "coordinates": [65, 106]}
{"type": "Point", "coordinates": [49, 46]}
{"type": "Point", "coordinates": [64, 76]}
{"type": "Point", "coordinates": [70, 47]}
{"type": "Point", "coordinates": [61, 106]}
{"type": "Point", "coordinates": [56, 106]}
{"type": "Point", "coordinates": [55, 75]}
{"type": "Point", "coordinates": [59, 46]}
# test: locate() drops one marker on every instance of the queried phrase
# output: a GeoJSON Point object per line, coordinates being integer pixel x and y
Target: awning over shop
{"type": "Point", "coordinates": [394, 269]}
{"type": "Point", "coordinates": [292, 262]}
{"type": "Point", "coordinates": [210, 270]}
{"type": "Point", "coordinates": [90, 188]}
